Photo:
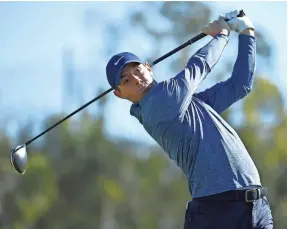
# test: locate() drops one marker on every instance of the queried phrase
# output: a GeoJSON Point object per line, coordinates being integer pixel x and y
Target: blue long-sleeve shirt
{"type": "Point", "coordinates": [188, 127]}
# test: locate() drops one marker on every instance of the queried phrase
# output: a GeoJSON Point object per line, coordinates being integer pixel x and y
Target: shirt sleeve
{"type": "Point", "coordinates": [222, 95]}
{"type": "Point", "coordinates": [177, 92]}
{"type": "Point", "coordinates": [202, 62]}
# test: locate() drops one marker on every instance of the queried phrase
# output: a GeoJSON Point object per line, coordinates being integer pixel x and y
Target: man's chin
{"type": "Point", "coordinates": [147, 88]}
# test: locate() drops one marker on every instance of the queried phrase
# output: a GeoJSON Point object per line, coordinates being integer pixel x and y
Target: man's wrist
{"type": "Point", "coordinates": [249, 31]}
{"type": "Point", "coordinates": [222, 36]}
{"type": "Point", "coordinates": [224, 32]}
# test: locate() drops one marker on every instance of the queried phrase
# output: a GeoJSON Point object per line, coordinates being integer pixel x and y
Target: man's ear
{"type": "Point", "coordinates": [148, 66]}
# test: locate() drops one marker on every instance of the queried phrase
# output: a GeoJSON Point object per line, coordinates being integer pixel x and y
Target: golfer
{"type": "Point", "coordinates": [223, 180]}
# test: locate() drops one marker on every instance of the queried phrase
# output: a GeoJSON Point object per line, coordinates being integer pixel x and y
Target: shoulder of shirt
{"type": "Point", "coordinates": [149, 105]}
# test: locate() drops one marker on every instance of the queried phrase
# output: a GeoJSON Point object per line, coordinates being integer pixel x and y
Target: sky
{"type": "Point", "coordinates": [34, 35]}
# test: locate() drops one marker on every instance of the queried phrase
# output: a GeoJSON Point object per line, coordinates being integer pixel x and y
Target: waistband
{"type": "Point", "coordinates": [248, 195]}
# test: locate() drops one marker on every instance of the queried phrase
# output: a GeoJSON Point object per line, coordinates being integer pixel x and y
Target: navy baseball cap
{"type": "Point", "coordinates": [116, 65]}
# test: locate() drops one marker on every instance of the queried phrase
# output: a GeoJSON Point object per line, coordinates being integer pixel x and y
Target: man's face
{"type": "Point", "coordinates": [135, 82]}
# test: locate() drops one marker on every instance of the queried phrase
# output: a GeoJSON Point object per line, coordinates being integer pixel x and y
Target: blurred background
{"type": "Point", "coordinates": [100, 169]}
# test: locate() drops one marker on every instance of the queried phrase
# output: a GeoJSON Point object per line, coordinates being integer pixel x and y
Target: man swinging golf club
{"type": "Point", "coordinates": [222, 178]}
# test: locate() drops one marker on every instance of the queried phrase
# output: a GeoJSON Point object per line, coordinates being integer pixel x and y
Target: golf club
{"type": "Point", "coordinates": [19, 154]}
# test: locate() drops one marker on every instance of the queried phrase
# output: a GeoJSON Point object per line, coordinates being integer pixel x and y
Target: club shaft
{"type": "Point", "coordinates": [68, 116]}
{"type": "Point", "coordinates": [189, 42]}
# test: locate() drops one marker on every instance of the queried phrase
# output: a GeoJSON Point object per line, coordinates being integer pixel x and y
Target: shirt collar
{"type": "Point", "coordinates": [135, 109]}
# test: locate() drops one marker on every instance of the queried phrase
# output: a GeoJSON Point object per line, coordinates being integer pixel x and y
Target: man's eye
{"type": "Point", "coordinates": [125, 81]}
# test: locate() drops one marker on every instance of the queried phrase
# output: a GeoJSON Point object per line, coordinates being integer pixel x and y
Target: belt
{"type": "Point", "coordinates": [249, 195]}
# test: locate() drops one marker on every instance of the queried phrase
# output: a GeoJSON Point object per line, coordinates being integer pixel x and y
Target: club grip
{"type": "Point", "coordinates": [189, 42]}
{"type": "Point", "coordinates": [241, 14]}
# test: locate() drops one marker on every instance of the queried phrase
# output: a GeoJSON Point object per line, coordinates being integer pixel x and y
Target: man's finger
{"type": "Point", "coordinates": [209, 24]}
{"type": "Point", "coordinates": [228, 16]}
{"type": "Point", "coordinates": [234, 13]}
{"type": "Point", "coordinates": [205, 29]}
{"type": "Point", "coordinates": [221, 17]}
{"type": "Point", "coordinates": [221, 20]}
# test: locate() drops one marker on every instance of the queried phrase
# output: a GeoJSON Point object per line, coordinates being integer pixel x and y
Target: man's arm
{"type": "Point", "coordinates": [248, 31]}
{"type": "Point", "coordinates": [177, 92]}
{"type": "Point", "coordinates": [224, 94]}
{"type": "Point", "coordinates": [202, 62]}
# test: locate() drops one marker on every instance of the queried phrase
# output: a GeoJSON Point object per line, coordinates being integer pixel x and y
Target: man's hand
{"type": "Point", "coordinates": [238, 24]}
{"type": "Point", "coordinates": [217, 27]}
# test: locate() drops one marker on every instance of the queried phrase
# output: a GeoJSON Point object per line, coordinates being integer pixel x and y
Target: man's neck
{"type": "Point", "coordinates": [150, 86]}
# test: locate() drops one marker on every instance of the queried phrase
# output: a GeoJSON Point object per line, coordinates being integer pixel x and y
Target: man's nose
{"type": "Point", "coordinates": [137, 80]}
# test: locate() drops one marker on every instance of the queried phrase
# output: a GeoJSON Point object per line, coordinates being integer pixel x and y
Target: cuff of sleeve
{"type": "Point", "coordinates": [222, 36]}
{"type": "Point", "coordinates": [246, 36]}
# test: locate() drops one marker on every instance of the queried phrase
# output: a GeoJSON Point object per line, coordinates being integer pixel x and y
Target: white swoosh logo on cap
{"type": "Point", "coordinates": [118, 60]}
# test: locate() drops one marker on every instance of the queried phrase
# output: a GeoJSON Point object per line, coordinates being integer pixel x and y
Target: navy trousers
{"type": "Point", "coordinates": [221, 214]}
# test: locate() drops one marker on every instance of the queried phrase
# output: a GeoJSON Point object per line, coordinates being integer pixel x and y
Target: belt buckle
{"type": "Point", "coordinates": [252, 190]}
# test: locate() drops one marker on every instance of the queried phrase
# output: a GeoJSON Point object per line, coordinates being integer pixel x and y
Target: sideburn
{"type": "Point", "coordinates": [148, 66]}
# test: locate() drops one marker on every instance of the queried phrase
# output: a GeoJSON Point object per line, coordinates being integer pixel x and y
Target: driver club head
{"type": "Point", "coordinates": [19, 158]}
